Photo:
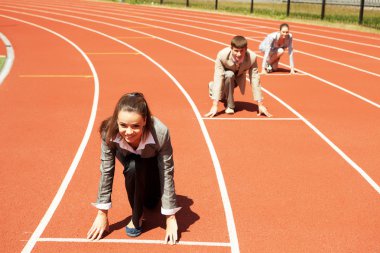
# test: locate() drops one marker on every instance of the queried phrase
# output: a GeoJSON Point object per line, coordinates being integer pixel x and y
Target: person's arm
{"type": "Point", "coordinates": [171, 235]}
{"type": "Point", "coordinates": [290, 51]}
{"type": "Point", "coordinates": [254, 78]}
{"type": "Point", "coordinates": [103, 203]}
{"type": "Point", "coordinates": [267, 44]}
{"type": "Point", "coordinates": [214, 109]}
{"type": "Point", "coordinates": [217, 88]}
{"type": "Point", "coordinates": [168, 198]}
{"type": "Point", "coordinates": [99, 226]}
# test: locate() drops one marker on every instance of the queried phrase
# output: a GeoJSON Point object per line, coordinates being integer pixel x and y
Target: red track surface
{"type": "Point", "coordinates": [288, 189]}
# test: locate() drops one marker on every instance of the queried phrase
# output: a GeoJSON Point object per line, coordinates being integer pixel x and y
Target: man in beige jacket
{"type": "Point", "coordinates": [231, 66]}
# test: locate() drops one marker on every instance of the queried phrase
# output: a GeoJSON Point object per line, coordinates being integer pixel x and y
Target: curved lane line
{"type": "Point", "coordinates": [267, 27]}
{"type": "Point", "coordinates": [200, 22]}
{"type": "Point", "coordinates": [9, 59]}
{"type": "Point", "coordinates": [218, 171]}
{"type": "Point", "coordinates": [199, 37]}
{"type": "Point", "coordinates": [315, 129]}
{"type": "Point", "coordinates": [250, 38]}
{"type": "Point", "coordinates": [58, 197]}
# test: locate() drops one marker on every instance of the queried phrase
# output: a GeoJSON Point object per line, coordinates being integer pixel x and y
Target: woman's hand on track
{"type": "Point", "coordinates": [171, 230]}
{"type": "Point", "coordinates": [99, 226]}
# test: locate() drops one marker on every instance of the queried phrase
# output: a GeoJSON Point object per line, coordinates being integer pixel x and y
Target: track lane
{"type": "Point", "coordinates": [253, 23]}
{"type": "Point", "coordinates": [205, 177]}
{"type": "Point", "coordinates": [366, 88]}
{"type": "Point", "coordinates": [342, 240]}
{"type": "Point", "coordinates": [260, 31]}
{"type": "Point", "coordinates": [32, 132]}
{"type": "Point", "coordinates": [202, 93]}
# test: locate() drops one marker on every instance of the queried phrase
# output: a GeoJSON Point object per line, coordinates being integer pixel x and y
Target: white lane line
{"type": "Point", "coordinates": [9, 59]}
{"type": "Point", "coordinates": [224, 44]}
{"type": "Point", "coordinates": [273, 24]}
{"type": "Point", "coordinates": [331, 144]}
{"type": "Point", "coordinates": [250, 30]}
{"type": "Point", "coordinates": [58, 197]}
{"type": "Point", "coordinates": [134, 241]}
{"type": "Point", "coordinates": [375, 186]}
{"type": "Point", "coordinates": [239, 24]}
{"type": "Point", "coordinates": [340, 63]}
{"type": "Point", "coordinates": [218, 25]}
{"type": "Point", "coordinates": [284, 74]}
{"type": "Point", "coordinates": [310, 27]}
{"type": "Point", "coordinates": [254, 119]}
{"type": "Point", "coordinates": [246, 30]}
{"type": "Point", "coordinates": [218, 170]}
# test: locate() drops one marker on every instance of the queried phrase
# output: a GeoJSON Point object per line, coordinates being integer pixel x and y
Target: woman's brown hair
{"type": "Point", "coordinates": [131, 102]}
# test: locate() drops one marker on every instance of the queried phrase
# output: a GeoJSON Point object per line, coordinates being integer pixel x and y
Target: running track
{"type": "Point", "coordinates": [306, 180]}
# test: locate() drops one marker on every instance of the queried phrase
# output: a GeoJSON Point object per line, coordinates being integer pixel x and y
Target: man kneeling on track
{"type": "Point", "coordinates": [231, 66]}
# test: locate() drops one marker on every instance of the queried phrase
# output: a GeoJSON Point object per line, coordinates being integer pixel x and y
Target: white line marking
{"type": "Point", "coordinates": [331, 144]}
{"type": "Point", "coordinates": [239, 24]}
{"type": "Point", "coordinates": [134, 241]}
{"type": "Point", "coordinates": [339, 151]}
{"type": "Point", "coordinates": [207, 23]}
{"type": "Point", "coordinates": [58, 197]}
{"type": "Point", "coordinates": [341, 63]}
{"type": "Point", "coordinates": [255, 119]}
{"type": "Point", "coordinates": [242, 29]}
{"type": "Point", "coordinates": [284, 74]}
{"type": "Point", "coordinates": [8, 60]}
{"type": "Point", "coordinates": [311, 27]}
{"type": "Point", "coordinates": [218, 170]}
{"type": "Point", "coordinates": [272, 22]}
{"type": "Point", "coordinates": [199, 37]}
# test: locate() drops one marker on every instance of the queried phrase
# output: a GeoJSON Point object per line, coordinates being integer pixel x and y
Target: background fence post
{"type": "Point", "coordinates": [323, 9]}
{"type": "Point", "coordinates": [187, 3]}
{"type": "Point", "coordinates": [251, 6]}
{"type": "Point", "coordinates": [361, 13]}
{"type": "Point", "coordinates": [288, 8]}
{"type": "Point", "coordinates": [216, 4]}
{"type": "Point", "coordinates": [161, 1]}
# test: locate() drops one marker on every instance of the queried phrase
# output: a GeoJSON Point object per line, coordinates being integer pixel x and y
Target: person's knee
{"type": "Point", "coordinates": [229, 74]}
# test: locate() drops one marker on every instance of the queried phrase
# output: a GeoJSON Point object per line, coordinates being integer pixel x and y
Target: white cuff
{"type": "Point", "coordinates": [170, 211]}
{"type": "Point", "coordinates": [102, 206]}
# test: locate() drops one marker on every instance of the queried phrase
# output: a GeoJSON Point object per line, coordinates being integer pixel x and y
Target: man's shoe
{"type": "Point", "coordinates": [229, 110]}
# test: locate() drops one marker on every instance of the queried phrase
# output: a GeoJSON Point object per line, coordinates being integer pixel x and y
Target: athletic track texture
{"type": "Point", "coordinates": [306, 180]}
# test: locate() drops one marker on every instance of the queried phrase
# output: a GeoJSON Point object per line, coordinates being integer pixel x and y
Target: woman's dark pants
{"type": "Point", "coordinates": [142, 183]}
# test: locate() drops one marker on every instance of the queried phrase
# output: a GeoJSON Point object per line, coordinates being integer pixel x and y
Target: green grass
{"type": "Point", "coordinates": [335, 15]}
{"type": "Point", "coordinates": [2, 60]}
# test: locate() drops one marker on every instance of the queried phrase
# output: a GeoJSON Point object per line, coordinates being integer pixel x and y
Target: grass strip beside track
{"type": "Point", "coordinates": [2, 60]}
